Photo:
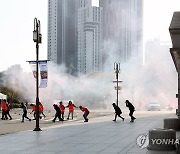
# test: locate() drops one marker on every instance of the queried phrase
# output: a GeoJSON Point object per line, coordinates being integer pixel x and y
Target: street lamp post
{"type": "Point", "coordinates": [117, 70]}
{"type": "Point", "coordinates": [37, 37]}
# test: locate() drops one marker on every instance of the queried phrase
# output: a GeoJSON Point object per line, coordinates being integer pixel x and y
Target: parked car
{"type": "Point", "coordinates": [154, 106]}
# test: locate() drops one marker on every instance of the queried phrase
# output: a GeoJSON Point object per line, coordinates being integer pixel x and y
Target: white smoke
{"type": "Point", "coordinates": [155, 81]}
{"type": "Point", "coordinates": [90, 90]}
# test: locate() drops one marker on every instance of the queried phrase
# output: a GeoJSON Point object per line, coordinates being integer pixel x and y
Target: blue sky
{"type": "Point", "coordinates": [17, 23]}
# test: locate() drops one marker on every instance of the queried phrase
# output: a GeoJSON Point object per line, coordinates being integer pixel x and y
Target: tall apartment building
{"type": "Point", "coordinates": [89, 38]}
{"type": "Point", "coordinates": [75, 35]}
{"type": "Point", "coordinates": [122, 25]}
{"type": "Point", "coordinates": [62, 37]}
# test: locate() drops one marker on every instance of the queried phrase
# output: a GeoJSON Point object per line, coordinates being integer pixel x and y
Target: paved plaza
{"type": "Point", "coordinates": [99, 136]}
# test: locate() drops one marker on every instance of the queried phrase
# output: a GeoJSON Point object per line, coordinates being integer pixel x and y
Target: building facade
{"type": "Point", "coordinates": [122, 27]}
{"type": "Point", "coordinates": [62, 37]}
{"type": "Point", "coordinates": [75, 35]}
{"type": "Point", "coordinates": [89, 38]}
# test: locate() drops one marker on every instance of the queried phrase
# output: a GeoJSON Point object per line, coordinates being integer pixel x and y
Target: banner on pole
{"type": "Point", "coordinates": [33, 67]}
{"type": "Point", "coordinates": [43, 74]}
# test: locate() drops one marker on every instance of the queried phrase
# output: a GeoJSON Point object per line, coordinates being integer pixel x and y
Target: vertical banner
{"type": "Point", "coordinates": [33, 67]}
{"type": "Point", "coordinates": [43, 74]}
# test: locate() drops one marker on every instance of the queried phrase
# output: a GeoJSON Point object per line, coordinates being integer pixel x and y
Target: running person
{"type": "Point", "coordinates": [8, 111]}
{"type": "Point", "coordinates": [86, 113]}
{"type": "Point", "coordinates": [131, 109]}
{"type": "Point", "coordinates": [41, 110]}
{"type": "Point", "coordinates": [62, 108]}
{"type": "Point", "coordinates": [24, 107]}
{"type": "Point", "coordinates": [118, 112]}
{"type": "Point", "coordinates": [58, 113]}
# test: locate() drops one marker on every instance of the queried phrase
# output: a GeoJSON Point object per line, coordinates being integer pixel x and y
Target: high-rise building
{"type": "Point", "coordinates": [84, 3]}
{"type": "Point", "coordinates": [75, 35]}
{"type": "Point", "coordinates": [62, 22]}
{"type": "Point", "coordinates": [122, 29]}
{"type": "Point", "coordinates": [89, 38]}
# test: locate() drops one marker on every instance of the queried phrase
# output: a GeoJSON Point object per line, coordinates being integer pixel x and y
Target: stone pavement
{"type": "Point", "coordinates": [15, 125]}
{"type": "Point", "coordinates": [99, 136]}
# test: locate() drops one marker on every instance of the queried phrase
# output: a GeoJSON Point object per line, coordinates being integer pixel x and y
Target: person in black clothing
{"type": "Point", "coordinates": [131, 109]}
{"type": "Point", "coordinates": [118, 112]}
{"type": "Point", "coordinates": [24, 107]}
{"type": "Point", "coordinates": [58, 113]}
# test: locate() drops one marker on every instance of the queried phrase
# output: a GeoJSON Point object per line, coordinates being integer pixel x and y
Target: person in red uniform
{"type": "Point", "coordinates": [62, 108]}
{"type": "Point", "coordinates": [4, 109]}
{"type": "Point", "coordinates": [8, 110]}
{"type": "Point", "coordinates": [71, 109]}
{"type": "Point", "coordinates": [41, 110]}
{"type": "Point", "coordinates": [86, 112]}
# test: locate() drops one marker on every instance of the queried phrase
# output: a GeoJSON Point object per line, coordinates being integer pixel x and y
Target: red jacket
{"type": "Point", "coordinates": [62, 108]}
{"type": "Point", "coordinates": [71, 107]}
{"type": "Point", "coordinates": [4, 105]}
{"type": "Point", "coordinates": [41, 108]}
{"type": "Point", "coordinates": [85, 110]}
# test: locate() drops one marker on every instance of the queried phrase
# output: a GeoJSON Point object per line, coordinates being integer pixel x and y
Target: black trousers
{"type": "Point", "coordinates": [58, 115]}
{"type": "Point", "coordinates": [24, 115]}
{"type": "Point", "coordinates": [4, 115]}
{"type": "Point", "coordinates": [69, 114]}
{"type": "Point", "coordinates": [8, 114]}
{"type": "Point", "coordinates": [131, 114]}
